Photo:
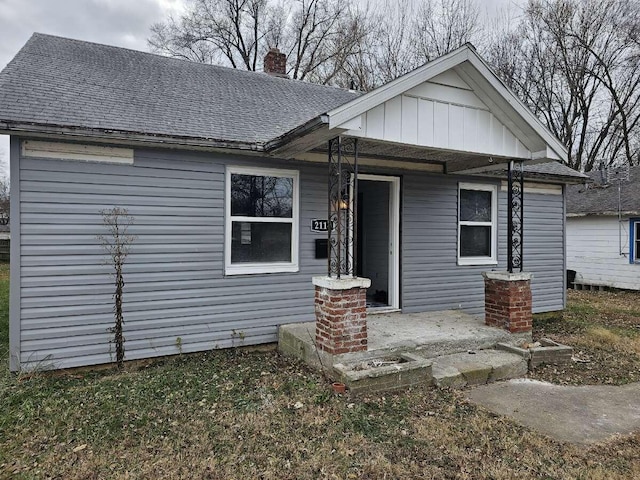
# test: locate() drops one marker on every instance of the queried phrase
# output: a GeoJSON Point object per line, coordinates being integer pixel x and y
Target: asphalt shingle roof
{"type": "Point", "coordinates": [63, 82]}
{"type": "Point", "coordinates": [600, 197]}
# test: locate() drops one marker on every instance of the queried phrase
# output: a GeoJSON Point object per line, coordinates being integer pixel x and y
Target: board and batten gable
{"type": "Point", "coordinates": [176, 297]}
{"type": "Point", "coordinates": [598, 250]}
{"type": "Point", "coordinates": [443, 112]}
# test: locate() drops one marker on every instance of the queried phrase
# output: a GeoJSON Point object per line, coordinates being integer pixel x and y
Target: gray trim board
{"type": "Point", "coordinates": [15, 260]}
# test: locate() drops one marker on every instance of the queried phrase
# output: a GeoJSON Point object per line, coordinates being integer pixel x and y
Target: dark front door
{"type": "Point", "coordinates": [373, 239]}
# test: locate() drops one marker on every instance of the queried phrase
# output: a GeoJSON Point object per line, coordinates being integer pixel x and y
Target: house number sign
{"type": "Point", "coordinates": [319, 225]}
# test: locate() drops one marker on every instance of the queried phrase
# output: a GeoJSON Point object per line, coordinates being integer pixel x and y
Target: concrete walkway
{"type": "Point", "coordinates": [580, 415]}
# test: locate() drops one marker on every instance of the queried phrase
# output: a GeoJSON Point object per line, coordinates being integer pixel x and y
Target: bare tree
{"type": "Point", "coordinates": [444, 25]}
{"type": "Point", "coordinates": [214, 31]}
{"type": "Point", "coordinates": [117, 242]}
{"type": "Point", "coordinates": [316, 35]}
{"type": "Point", "coordinates": [401, 35]}
{"type": "Point", "coordinates": [576, 65]}
{"type": "Point", "coordinates": [392, 48]}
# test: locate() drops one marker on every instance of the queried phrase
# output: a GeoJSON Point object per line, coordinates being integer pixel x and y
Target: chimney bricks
{"type": "Point", "coordinates": [275, 63]}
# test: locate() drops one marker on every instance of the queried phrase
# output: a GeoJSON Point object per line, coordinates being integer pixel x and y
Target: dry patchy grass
{"type": "Point", "coordinates": [604, 329]}
{"type": "Point", "coordinates": [233, 414]}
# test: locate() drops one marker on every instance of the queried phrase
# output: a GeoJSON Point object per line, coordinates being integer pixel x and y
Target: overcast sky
{"type": "Point", "coordinates": [123, 23]}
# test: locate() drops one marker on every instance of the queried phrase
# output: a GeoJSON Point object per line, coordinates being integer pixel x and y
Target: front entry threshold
{"type": "Point", "coordinates": [381, 310]}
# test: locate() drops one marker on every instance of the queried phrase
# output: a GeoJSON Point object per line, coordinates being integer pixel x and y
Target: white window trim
{"type": "Point", "coordinates": [635, 225]}
{"type": "Point", "coordinates": [493, 259]}
{"type": "Point", "coordinates": [257, 268]}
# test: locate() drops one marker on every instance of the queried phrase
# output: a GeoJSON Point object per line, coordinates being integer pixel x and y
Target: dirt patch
{"type": "Point", "coordinates": [377, 363]}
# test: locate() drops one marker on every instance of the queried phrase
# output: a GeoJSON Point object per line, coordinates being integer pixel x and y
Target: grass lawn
{"type": "Point", "coordinates": [604, 329]}
{"type": "Point", "coordinates": [233, 414]}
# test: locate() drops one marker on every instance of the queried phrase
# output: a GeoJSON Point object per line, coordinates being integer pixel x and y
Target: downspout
{"type": "Point", "coordinates": [620, 218]}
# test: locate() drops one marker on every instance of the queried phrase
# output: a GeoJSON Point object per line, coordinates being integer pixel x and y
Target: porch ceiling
{"type": "Point", "coordinates": [450, 160]}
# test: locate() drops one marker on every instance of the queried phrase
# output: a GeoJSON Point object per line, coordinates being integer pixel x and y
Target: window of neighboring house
{"type": "Point", "coordinates": [477, 224]}
{"type": "Point", "coordinates": [634, 251]}
{"type": "Point", "coordinates": [261, 224]}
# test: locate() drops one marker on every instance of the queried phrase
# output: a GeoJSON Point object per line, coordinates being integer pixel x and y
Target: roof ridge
{"type": "Point", "coordinates": [239, 71]}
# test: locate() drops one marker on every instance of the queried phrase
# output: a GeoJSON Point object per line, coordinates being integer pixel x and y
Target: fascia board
{"type": "Point", "coordinates": [520, 108]}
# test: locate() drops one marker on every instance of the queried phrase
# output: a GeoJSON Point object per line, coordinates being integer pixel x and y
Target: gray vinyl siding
{"type": "Point", "coordinates": [175, 284]}
{"type": "Point", "coordinates": [544, 248]}
{"type": "Point", "coordinates": [431, 278]}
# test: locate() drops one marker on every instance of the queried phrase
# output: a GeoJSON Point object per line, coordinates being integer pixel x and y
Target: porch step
{"type": "Point", "coordinates": [476, 367]}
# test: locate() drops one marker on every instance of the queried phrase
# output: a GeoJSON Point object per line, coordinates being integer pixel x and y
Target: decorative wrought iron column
{"type": "Point", "coordinates": [343, 199]}
{"type": "Point", "coordinates": [515, 215]}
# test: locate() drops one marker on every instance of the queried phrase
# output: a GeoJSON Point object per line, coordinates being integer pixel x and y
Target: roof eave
{"type": "Point", "coordinates": [121, 136]}
{"type": "Point", "coordinates": [300, 131]}
{"type": "Point", "coordinates": [605, 213]}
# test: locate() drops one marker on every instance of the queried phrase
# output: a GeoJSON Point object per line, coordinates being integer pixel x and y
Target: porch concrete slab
{"type": "Point", "coordinates": [476, 368]}
{"type": "Point", "coordinates": [581, 415]}
{"type": "Point", "coordinates": [430, 335]}
{"type": "Point", "coordinates": [435, 333]}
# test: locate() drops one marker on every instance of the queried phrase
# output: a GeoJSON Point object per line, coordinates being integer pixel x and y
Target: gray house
{"type": "Point", "coordinates": [244, 186]}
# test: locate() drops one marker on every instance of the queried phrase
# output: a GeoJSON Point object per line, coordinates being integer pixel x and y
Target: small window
{"type": "Point", "coordinates": [634, 254]}
{"type": "Point", "coordinates": [262, 221]}
{"type": "Point", "coordinates": [477, 221]}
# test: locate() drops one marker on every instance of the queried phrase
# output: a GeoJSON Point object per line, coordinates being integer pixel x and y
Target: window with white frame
{"type": "Point", "coordinates": [477, 224]}
{"type": "Point", "coordinates": [634, 256]}
{"type": "Point", "coordinates": [261, 224]}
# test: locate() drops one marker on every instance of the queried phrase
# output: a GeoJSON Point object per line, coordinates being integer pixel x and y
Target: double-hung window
{"type": "Point", "coordinates": [634, 234]}
{"type": "Point", "coordinates": [261, 221]}
{"type": "Point", "coordinates": [477, 224]}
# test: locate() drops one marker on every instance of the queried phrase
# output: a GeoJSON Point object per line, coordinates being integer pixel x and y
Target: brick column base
{"type": "Point", "coordinates": [341, 314]}
{"type": "Point", "coordinates": [507, 301]}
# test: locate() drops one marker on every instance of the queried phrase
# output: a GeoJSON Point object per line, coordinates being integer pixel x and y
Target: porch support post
{"type": "Point", "coordinates": [343, 207]}
{"type": "Point", "coordinates": [507, 295]}
{"type": "Point", "coordinates": [515, 216]}
{"type": "Point", "coordinates": [507, 301]}
{"type": "Point", "coordinates": [340, 297]}
{"type": "Point", "coordinates": [341, 314]}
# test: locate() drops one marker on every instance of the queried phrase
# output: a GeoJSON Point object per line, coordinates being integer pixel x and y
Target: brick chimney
{"type": "Point", "coordinates": [275, 63]}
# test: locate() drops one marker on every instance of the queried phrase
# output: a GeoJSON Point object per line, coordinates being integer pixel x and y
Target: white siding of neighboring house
{"type": "Point", "coordinates": [593, 251]}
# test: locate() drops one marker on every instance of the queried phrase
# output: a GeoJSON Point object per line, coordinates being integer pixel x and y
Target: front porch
{"type": "Point", "coordinates": [431, 334]}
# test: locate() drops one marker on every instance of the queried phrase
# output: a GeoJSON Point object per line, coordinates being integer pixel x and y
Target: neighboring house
{"type": "Point", "coordinates": [5, 233]}
{"type": "Point", "coordinates": [5, 241]}
{"type": "Point", "coordinates": [603, 229]}
{"type": "Point", "coordinates": [226, 175]}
